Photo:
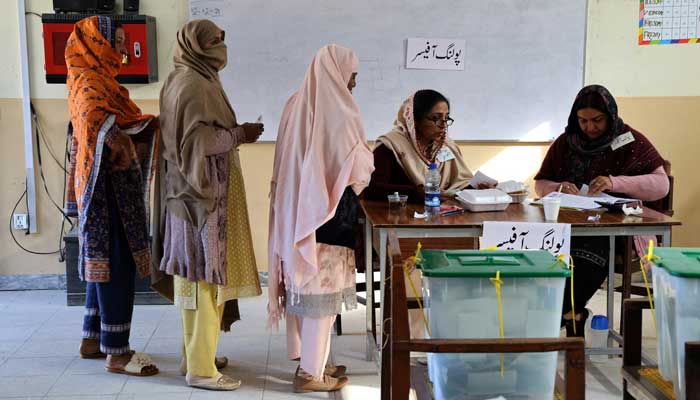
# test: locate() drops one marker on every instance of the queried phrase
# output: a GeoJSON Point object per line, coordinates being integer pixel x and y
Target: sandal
{"type": "Point", "coordinates": [580, 325]}
{"type": "Point", "coordinates": [305, 383]}
{"type": "Point", "coordinates": [220, 382]}
{"type": "Point", "coordinates": [219, 362]}
{"type": "Point", "coordinates": [335, 371]}
{"type": "Point", "coordinates": [140, 364]}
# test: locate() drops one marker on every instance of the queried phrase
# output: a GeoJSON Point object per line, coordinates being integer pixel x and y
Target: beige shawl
{"type": "Point", "coordinates": [401, 140]}
{"type": "Point", "coordinates": [189, 121]}
{"type": "Point", "coordinates": [193, 108]}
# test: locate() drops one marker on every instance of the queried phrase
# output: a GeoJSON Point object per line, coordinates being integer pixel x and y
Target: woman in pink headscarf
{"type": "Point", "coordinates": [322, 162]}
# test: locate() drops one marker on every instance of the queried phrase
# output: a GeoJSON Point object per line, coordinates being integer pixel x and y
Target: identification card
{"type": "Point", "coordinates": [625, 138]}
{"type": "Point", "coordinates": [445, 154]}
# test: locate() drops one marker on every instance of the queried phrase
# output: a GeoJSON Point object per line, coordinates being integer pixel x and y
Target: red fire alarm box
{"type": "Point", "coordinates": [140, 30]}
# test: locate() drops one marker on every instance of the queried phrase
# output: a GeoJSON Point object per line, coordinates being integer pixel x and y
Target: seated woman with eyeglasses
{"type": "Point", "coordinates": [418, 138]}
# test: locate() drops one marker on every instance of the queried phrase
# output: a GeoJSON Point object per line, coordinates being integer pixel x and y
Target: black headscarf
{"type": "Point", "coordinates": [575, 158]}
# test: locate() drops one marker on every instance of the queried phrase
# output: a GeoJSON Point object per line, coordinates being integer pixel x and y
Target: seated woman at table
{"type": "Point", "coordinates": [599, 150]}
{"type": "Point", "coordinates": [418, 138]}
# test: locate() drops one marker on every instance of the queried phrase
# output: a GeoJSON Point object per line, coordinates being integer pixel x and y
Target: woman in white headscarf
{"type": "Point", "coordinates": [418, 138]}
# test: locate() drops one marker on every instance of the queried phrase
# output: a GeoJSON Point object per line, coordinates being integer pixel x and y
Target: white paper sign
{"type": "Point", "coordinates": [555, 238]}
{"type": "Point", "coordinates": [445, 54]}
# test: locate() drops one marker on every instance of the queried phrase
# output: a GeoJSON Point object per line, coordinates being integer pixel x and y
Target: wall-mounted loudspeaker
{"type": "Point", "coordinates": [131, 6]}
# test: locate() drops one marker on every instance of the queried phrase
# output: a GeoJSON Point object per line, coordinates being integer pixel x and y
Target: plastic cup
{"type": "Point", "coordinates": [551, 208]}
{"type": "Point", "coordinates": [397, 202]}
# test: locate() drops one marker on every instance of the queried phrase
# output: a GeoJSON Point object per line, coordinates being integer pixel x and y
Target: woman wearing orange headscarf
{"type": "Point", "coordinates": [322, 162]}
{"type": "Point", "coordinates": [111, 162]}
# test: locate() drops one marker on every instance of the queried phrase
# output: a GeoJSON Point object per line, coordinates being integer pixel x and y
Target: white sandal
{"type": "Point", "coordinates": [218, 382]}
{"type": "Point", "coordinates": [135, 366]}
{"type": "Point", "coordinates": [219, 362]}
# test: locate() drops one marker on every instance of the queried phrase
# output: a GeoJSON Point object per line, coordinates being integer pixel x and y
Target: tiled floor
{"type": "Point", "coordinates": [39, 337]}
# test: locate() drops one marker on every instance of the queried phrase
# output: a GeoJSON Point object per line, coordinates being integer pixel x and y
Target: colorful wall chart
{"type": "Point", "coordinates": [669, 21]}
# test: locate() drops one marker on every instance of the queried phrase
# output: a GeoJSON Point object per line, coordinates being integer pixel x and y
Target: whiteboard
{"type": "Point", "coordinates": [523, 65]}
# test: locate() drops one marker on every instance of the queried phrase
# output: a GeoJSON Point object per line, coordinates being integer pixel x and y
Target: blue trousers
{"type": "Point", "coordinates": [109, 306]}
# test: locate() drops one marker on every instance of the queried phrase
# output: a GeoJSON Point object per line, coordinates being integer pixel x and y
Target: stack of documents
{"type": "Point", "coordinates": [583, 202]}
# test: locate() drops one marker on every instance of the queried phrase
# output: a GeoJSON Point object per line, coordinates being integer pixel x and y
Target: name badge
{"type": "Point", "coordinates": [445, 154]}
{"type": "Point", "coordinates": [625, 138]}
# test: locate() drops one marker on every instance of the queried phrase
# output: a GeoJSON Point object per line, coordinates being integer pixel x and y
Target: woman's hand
{"type": "Point", "coordinates": [449, 193]}
{"type": "Point", "coordinates": [121, 152]}
{"type": "Point", "coordinates": [599, 185]}
{"type": "Point", "coordinates": [276, 305]}
{"type": "Point", "coordinates": [483, 185]}
{"type": "Point", "coordinates": [153, 124]}
{"type": "Point", "coordinates": [252, 132]}
{"type": "Point", "coordinates": [569, 188]}
{"type": "Point", "coordinates": [486, 185]}
{"type": "Point", "coordinates": [275, 308]}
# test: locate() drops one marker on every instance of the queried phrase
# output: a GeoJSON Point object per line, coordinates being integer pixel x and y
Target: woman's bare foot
{"type": "Point", "coordinates": [90, 348]}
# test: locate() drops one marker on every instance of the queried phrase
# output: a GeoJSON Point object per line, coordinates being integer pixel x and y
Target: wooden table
{"type": "Point", "coordinates": [379, 220]}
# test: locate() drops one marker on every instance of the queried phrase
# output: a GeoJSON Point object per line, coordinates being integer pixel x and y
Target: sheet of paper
{"type": "Point", "coordinates": [584, 202]}
{"type": "Point", "coordinates": [573, 201]}
{"type": "Point", "coordinates": [511, 186]}
{"type": "Point", "coordinates": [480, 178]}
{"type": "Point", "coordinates": [584, 190]}
{"type": "Point", "coordinates": [435, 53]}
{"type": "Point", "coordinates": [603, 197]}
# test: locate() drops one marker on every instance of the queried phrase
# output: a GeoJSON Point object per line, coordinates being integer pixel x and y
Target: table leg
{"type": "Point", "coordinates": [666, 237]}
{"type": "Point", "coordinates": [369, 284]}
{"type": "Point", "coordinates": [382, 278]}
{"type": "Point", "coordinates": [611, 290]}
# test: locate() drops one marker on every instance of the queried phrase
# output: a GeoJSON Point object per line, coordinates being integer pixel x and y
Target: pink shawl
{"type": "Point", "coordinates": [321, 149]}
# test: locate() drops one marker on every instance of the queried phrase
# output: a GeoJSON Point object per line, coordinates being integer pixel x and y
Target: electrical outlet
{"type": "Point", "coordinates": [19, 221]}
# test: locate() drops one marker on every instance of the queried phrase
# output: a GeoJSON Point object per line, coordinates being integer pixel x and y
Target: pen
{"type": "Point", "coordinates": [455, 212]}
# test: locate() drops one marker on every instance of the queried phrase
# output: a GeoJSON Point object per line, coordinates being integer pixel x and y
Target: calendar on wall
{"type": "Point", "coordinates": [669, 22]}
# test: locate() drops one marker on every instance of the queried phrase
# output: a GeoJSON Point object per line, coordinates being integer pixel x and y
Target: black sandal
{"type": "Point", "coordinates": [580, 325]}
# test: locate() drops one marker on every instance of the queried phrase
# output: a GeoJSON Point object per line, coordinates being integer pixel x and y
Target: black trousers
{"type": "Point", "coordinates": [590, 256]}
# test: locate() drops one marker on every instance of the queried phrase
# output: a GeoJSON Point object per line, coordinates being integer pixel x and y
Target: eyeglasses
{"type": "Point", "coordinates": [439, 121]}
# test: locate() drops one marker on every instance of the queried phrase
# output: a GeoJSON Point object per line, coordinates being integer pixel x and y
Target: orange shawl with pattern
{"type": "Point", "coordinates": [93, 95]}
{"type": "Point", "coordinates": [99, 109]}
